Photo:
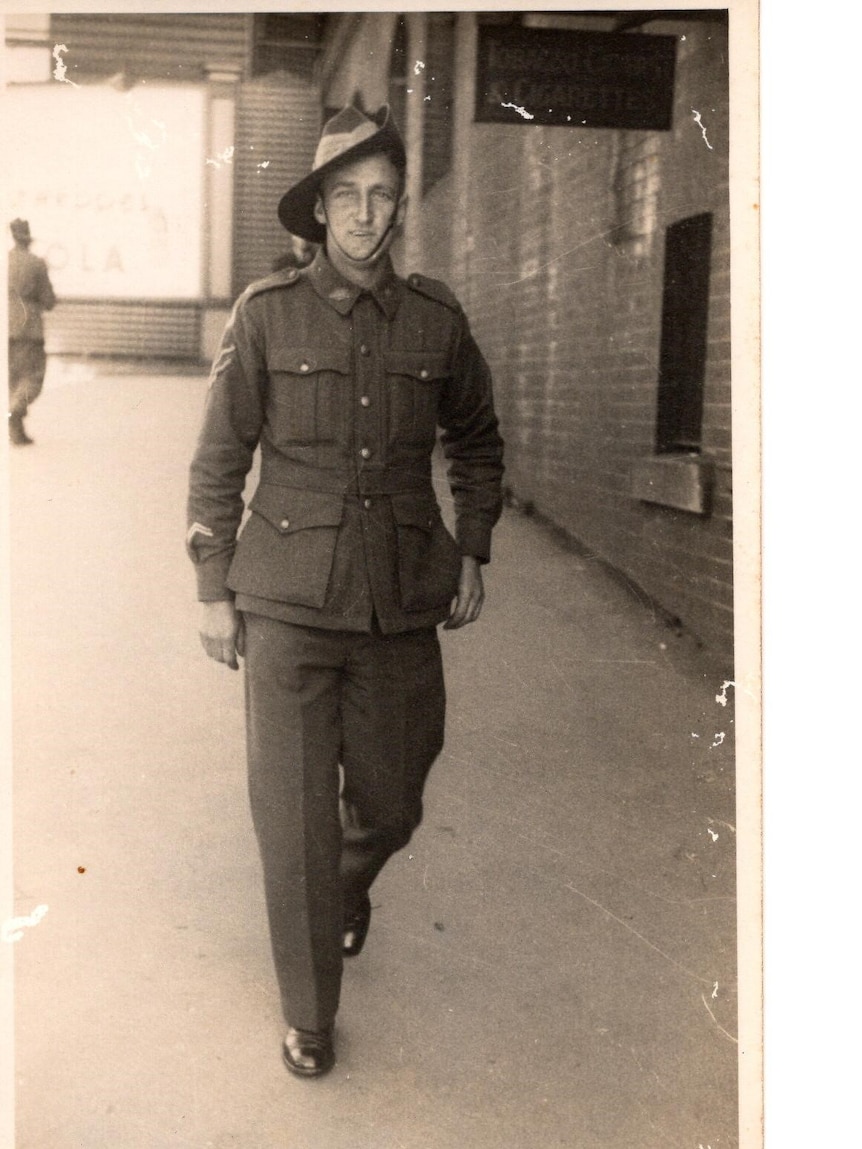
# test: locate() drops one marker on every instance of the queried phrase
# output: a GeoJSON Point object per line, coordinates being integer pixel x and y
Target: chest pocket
{"type": "Point", "coordinates": [415, 381]}
{"type": "Point", "coordinates": [307, 394]}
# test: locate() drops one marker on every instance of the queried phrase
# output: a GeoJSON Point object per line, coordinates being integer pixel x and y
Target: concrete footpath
{"type": "Point", "coordinates": [552, 960]}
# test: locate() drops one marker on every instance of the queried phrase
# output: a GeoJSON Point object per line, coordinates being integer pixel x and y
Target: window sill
{"type": "Point", "coordinates": [680, 481]}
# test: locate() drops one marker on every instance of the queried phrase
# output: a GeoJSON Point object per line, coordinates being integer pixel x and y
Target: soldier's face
{"type": "Point", "coordinates": [358, 204]}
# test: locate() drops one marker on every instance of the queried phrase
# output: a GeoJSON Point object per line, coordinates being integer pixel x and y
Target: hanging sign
{"type": "Point", "coordinates": [580, 79]}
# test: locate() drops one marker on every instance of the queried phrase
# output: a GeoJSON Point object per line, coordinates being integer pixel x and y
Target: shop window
{"type": "Point", "coordinates": [285, 42]}
{"type": "Point", "coordinates": [682, 357]}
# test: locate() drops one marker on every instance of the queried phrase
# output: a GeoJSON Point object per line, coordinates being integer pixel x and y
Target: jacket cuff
{"type": "Point", "coordinates": [474, 539]}
{"type": "Point", "coordinates": [212, 579]}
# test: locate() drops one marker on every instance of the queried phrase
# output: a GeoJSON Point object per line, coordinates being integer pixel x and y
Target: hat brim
{"type": "Point", "coordinates": [296, 207]}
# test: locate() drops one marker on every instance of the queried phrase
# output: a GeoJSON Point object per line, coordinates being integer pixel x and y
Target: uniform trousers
{"type": "Point", "coordinates": [27, 364]}
{"type": "Point", "coordinates": [316, 700]}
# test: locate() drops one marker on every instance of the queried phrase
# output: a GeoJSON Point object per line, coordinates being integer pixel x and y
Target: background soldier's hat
{"type": "Point", "coordinates": [20, 229]}
{"type": "Point", "coordinates": [350, 135]}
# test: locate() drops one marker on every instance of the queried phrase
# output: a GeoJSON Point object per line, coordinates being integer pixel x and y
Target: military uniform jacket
{"type": "Point", "coordinates": [343, 390]}
{"type": "Point", "coordinates": [30, 293]}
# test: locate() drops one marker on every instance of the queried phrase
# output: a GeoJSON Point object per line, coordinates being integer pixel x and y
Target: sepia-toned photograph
{"type": "Point", "coordinates": [382, 571]}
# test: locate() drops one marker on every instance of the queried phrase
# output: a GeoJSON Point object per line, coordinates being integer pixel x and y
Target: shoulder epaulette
{"type": "Point", "coordinates": [433, 289]}
{"type": "Point", "coordinates": [287, 277]}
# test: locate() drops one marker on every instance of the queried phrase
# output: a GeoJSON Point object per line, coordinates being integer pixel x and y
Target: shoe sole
{"type": "Point", "coordinates": [301, 1070]}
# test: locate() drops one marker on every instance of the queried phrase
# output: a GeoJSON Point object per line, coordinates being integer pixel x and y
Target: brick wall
{"type": "Point", "coordinates": [562, 280]}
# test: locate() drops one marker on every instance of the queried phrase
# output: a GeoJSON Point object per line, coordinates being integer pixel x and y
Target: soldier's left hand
{"type": "Point", "coordinates": [471, 594]}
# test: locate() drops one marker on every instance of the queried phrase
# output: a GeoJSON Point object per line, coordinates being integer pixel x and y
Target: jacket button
{"type": "Point", "coordinates": [423, 374]}
{"type": "Point", "coordinates": [363, 349]}
{"type": "Point", "coordinates": [303, 366]}
{"type": "Point", "coordinates": [284, 524]}
{"type": "Point", "coordinates": [367, 504]}
{"type": "Point", "coordinates": [365, 401]}
{"type": "Point", "coordinates": [365, 452]}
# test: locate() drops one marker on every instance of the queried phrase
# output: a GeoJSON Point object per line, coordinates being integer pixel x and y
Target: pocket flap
{"type": "Point", "coordinates": [308, 360]}
{"type": "Point", "coordinates": [413, 511]}
{"type": "Point", "coordinates": [426, 366]}
{"type": "Point", "coordinates": [290, 509]}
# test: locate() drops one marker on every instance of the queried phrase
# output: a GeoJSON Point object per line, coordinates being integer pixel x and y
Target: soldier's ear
{"type": "Point", "coordinates": [401, 211]}
{"type": "Point", "coordinates": [319, 210]}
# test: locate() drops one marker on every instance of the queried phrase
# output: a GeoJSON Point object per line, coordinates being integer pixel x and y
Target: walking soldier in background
{"type": "Point", "coordinates": [341, 373]}
{"type": "Point", "coordinates": [30, 293]}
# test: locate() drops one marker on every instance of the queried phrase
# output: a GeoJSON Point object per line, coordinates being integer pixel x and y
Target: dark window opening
{"type": "Point", "coordinates": [685, 312]}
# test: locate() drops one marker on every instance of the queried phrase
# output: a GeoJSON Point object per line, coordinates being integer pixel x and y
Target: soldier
{"type": "Point", "coordinates": [341, 373]}
{"type": "Point", "coordinates": [30, 293]}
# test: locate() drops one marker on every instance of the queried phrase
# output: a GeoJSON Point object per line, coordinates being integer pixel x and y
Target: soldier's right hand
{"type": "Point", "coordinates": [222, 633]}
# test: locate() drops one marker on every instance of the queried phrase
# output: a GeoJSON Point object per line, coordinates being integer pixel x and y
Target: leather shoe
{"type": "Point", "coordinates": [308, 1052]}
{"type": "Point", "coordinates": [356, 929]}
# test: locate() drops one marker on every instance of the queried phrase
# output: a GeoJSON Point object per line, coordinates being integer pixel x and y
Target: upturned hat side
{"type": "Point", "coordinates": [348, 136]}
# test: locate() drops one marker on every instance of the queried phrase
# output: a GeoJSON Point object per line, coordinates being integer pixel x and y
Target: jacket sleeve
{"type": "Point", "coordinates": [225, 449]}
{"type": "Point", "coordinates": [472, 444]}
{"type": "Point", "coordinates": [45, 296]}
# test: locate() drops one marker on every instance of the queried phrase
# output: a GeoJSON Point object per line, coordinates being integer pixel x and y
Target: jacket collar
{"type": "Point", "coordinates": [341, 294]}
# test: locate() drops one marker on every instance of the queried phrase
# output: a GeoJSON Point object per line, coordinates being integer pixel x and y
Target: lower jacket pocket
{"type": "Point", "coordinates": [429, 562]}
{"type": "Point", "coordinates": [286, 548]}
